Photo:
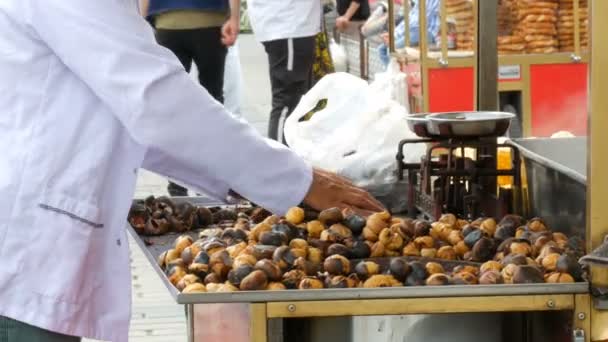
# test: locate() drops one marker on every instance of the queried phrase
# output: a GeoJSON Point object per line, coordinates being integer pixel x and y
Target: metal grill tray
{"type": "Point", "coordinates": [152, 246]}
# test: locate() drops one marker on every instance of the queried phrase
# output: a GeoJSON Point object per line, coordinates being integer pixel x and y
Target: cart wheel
{"type": "Point", "coordinates": [515, 131]}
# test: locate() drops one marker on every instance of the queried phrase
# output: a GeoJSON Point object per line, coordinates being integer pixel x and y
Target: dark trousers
{"type": "Point", "coordinates": [15, 331]}
{"type": "Point", "coordinates": [290, 62]}
{"type": "Point", "coordinates": [203, 47]}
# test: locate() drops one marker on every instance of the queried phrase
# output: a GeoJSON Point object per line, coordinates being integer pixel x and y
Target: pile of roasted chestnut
{"type": "Point", "coordinates": [339, 249]}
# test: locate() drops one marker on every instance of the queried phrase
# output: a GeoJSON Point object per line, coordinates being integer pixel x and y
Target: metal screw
{"type": "Point", "coordinates": [291, 308]}
{"type": "Point", "coordinates": [581, 316]}
{"type": "Point", "coordinates": [575, 58]}
{"type": "Point", "coordinates": [550, 304]}
{"type": "Point", "coordinates": [443, 62]}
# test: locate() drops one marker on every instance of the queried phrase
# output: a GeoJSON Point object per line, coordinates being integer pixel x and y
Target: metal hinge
{"type": "Point", "coordinates": [578, 335]}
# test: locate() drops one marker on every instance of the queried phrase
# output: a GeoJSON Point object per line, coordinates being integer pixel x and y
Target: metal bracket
{"type": "Point", "coordinates": [578, 335]}
{"type": "Point", "coordinates": [576, 58]}
{"type": "Point", "coordinates": [443, 62]}
{"type": "Point", "coordinates": [600, 297]}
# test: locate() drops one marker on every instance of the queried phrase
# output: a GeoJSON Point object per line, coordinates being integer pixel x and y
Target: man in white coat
{"type": "Point", "coordinates": [87, 97]}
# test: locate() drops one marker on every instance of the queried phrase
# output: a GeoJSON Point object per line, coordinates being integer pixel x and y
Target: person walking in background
{"type": "Point", "coordinates": [287, 29]}
{"type": "Point", "coordinates": [199, 32]}
{"type": "Point", "coordinates": [349, 10]}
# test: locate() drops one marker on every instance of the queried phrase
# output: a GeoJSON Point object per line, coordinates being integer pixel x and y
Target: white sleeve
{"type": "Point", "coordinates": [112, 49]}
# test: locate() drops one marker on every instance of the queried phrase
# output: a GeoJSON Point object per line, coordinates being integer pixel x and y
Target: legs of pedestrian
{"type": "Point", "coordinates": [290, 62]}
{"type": "Point", "coordinates": [209, 55]}
{"type": "Point", "coordinates": [15, 331]}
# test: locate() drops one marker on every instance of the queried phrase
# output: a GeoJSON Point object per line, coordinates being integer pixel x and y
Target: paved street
{"type": "Point", "coordinates": [156, 317]}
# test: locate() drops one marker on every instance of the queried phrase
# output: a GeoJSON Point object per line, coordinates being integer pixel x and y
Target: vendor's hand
{"type": "Point", "coordinates": [329, 190]}
{"type": "Point", "coordinates": [342, 23]}
{"type": "Point", "coordinates": [230, 31]}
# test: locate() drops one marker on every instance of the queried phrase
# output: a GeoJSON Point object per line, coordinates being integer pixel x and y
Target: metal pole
{"type": "Point", "coordinates": [391, 26]}
{"type": "Point", "coordinates": [487, 55]}
{"type": "Point", "coordinates": [597, 159]}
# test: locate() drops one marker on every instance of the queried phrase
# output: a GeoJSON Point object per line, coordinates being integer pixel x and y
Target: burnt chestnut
{"type": "Point", "coordinates": [320, 244]}
{"type": "Point", "coordinates": [491, 277]}
{"type": "Point", "coordinates": [234, 235]}
{"type": "Point", "coordinates": [283, 257]}
{"type": "Point", "coordinates": [314, 229]}
{"type": "Point", "coordinates": [417, 275]}
{"type": "Point", "coordinates": [361, 250]}
{"type": "Point", "coordinates": [467, 229]}
{"type": "Point", "coordinates": [212, 278]}
{"type": "Point", "coordinates": [138, 216]}
{"type": "Point", "coordinates": [504, 232]}
{"type": "Point", "coordinates": [483, 250]}
{"type": "Point", "coordinates": [310, 283]}
{"type": "Point", "coordinates": [236, 275]}
{"type": "Point", "coordinates": [472, 237]}
{"type": "Point", "coordinates": [355, 223]}
{"type": "Point", "coordinates": [434, 267]}
{"type": "Point", "coordinates": [381, 280]}
{"type": "Point", "coordinates": [399, 268]}
{"type": "Point", "coordinates": [339, 249]}
{"type": "Point", "coordinates": [515, 259]}
{"type": "Point", "coordinates": [569, 264]}
{"type": "Point", "coordinates": [331, 216]}
{"type": "Point", "coordinates": [525, 274]}
{"type": "Point", "coordinates": [254, 281]}
{"type": "Point", "coordinates": [201, 258]}
{"type": "Point", "coordinates": [513, 221]}
{"type": "Point", "coordinates": [200, 270]}
{"type": "Point", "coordinates": [273, 238]}
{"type": "Point", "coordinates": [558, 277]}
{"type": "Point", "coordinates": [292, 279]}
{"type": "Point", "coordinates": [491, 265]}
{"type": "Point", "coordinates": [204, 217]}
{"type": "Point", "coordinates": [504, 246]}
{"type": "Point", "coordinates": [438, 279]}
{"type": "Point", "coordinates": [194, 288]}
{"type": "Point", "coordinates": [366, 269]}
{"type": "Point", "coordinates": [275, 286]}
{"type": "Point", "coordinates": [295, 215]}
{"type": "Point", "coordinates": [259, 214]}
{"type": "Point", "coordinates": [421, 228]}
{"type": "Point", "coordinates": [224, 215]}
{"type": "Point", "coordinates": [336, 265]}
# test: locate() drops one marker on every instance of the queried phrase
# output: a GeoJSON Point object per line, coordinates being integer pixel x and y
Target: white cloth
{"type": "Point", "coordinates": [283, 19]}
{"type": "Point", "coordinates": [87, 97]}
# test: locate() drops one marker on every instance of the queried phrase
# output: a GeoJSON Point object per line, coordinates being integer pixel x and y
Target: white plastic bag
{"type": "Point", "coordinates": [338, 56]}
{"type": "Point", "coordinates": [392, 83]}
{"type": "Point", "coordinates": [356, 134]}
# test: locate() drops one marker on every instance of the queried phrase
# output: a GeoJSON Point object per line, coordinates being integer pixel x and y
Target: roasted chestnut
{"type": "Point", "coordinates": [314, 229]}
{"type": "Point", "coordinates": [411, 249]}
{"type": "Point", "coordinates": [488, 226]}
{"type": "Point", "coordinates": [454, 237]}
{"type": "Point", "coordinates": [310, 283]}
{"type": "Point", "coordinates": [467, 229]}
{"type": "Point", "coordinates": [461, 249]}
{"type": "Point", "coordinates": [205, 217]}
{"type": "Point", "coordinates": [315, 255]}
{"type": "Point", "coordinates": [361, 250]}
{"type": "Point", "coordinates": [336, 265]}
{"type": "Point", "coordinates": [298, 243]}
{"type": "Point", "coordinates": [286, 228]}
{"type": "Point", "coordinates": [428, 252]}
{"type": "Point", "coordinates": [447, 253]}
{"type": "Point", "coordinates": [255, 280]}
{"type": "Point", "coordinates": [483, 250]}
{"type": "Point", "coordinates": [465, 278]}
{"type": "Point", "coordinates": [513, 221]}
{"type": "Point", "coordinates": [342, 231]}
{"type": "Point", "coordinates": [525, 274]}
{"type": "Point", "coordinates": [276, 286]}
{"type": "Point", "coordinates": [417, 275]}
{"type": "Point", "coordinates": [342, 282]}
{"type": "Point", "coordinates": [381, 280]}
{"type": "Point", "coordinates": [504, 232]}
{"type": "Point", "coordinates": [330, 236]}
{"type": "Point", "coordinates": [224, 215]}
{"type": "Point", "coordinates": [558, 277]}
{"type": "Point", "coordinates": [259, 214]}
{"type": "Point", "coordinates": [273, 238]}
{"type": "Point", "coordinates": [355, 223]}
{"type": "Point", "coordinates": [378, 250]}
{"type": "Point", "coordinates": [237, 275]}
{"type": "Point", "coordinates": [508, 272]}
{"type": "Point", "coordinates": [399, 268]}
{"type": "Point", "coordinates": [295, 215]}
{"type": "Point", "coordinates": [449, 219]}
{"type": "Point", "coordinates": [237, 249]}
{"type": "Point", "coordinates": [272, 270]}
{"type": "Point", "coordinates": [490, 266]}
{"type": "Point", "coordinates": [331, 216]}
{"type": "Point", "coordinates": [244, 260]}
{"type": "Point", "coordinates": [187, 280]}
{"type": "Point", "coordinates": [233, 235]}
{"type": "Point", "coordinates": [466, 268]}
{"type": "Point", "coordinates": [369, 234]}
{"type": "Point", "coordinates": [210, 232]}
{"type": "Point", "coordinates": [175, 274]}
{"type": "Point", "coordinates": [366, 269]}
{"type": "Point", "coordinates": [200, 265]}
{"type": "Point", "coordinates": [536, 225]}
{"type": "Point", "coordinates": [194, 288]}
{"type": "Point", "coordinates": [434, 267]}
{"type": "Point", "coordinates": [491, 277]}
{"type": "Point", "coordinates": [305, 266]}
{"type": "Point", "coordinates": [257, 231]}
{"type": "Point", "coordinates": [292, 279]}
{"type": "Point", "coordinates": [569, 264]}
{"type": "Point", "coordinates": [515, 259]}
{"type": "Point", "coordinates": [220, 263]}
{"type": "Point", "coordinates": [138, 216]}
{"type": "Point", "coordinates": [520, 246]}
{"type": "Point", "coordinates": [421, 228]}
{"type": "Point", "coordinates": [390, 240]}
{"type": "Point", "coordinates": [182, 242]}
{"type": "Point", "coordinates": [212, 278]}
{"type": "Point", "coordinates": [424, 242]}
{"type": "Point", "coordinates": [339, 249]}
{"type": "Point", "coordinates": [284, 257]}
{"type": "Point", "coordinates": [438, 279]}
{"type": "Point", "coordinates": [550, 262]}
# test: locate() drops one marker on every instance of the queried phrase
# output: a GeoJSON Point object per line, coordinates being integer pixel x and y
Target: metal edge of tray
{"type": "Point", "coordinates": [358, 293]}
{"type": "Point", "coordinates": [549, 163]}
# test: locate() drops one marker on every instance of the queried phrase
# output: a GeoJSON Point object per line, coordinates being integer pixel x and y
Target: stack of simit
{"type": "Point", "coordinates": [461, 13]}
{"type": "Point", "coordinates": [565, 24]}
{"type": "Point", "coordinates": [537, 25]}
{"type": "Point", "coordinates": [509, 43]}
